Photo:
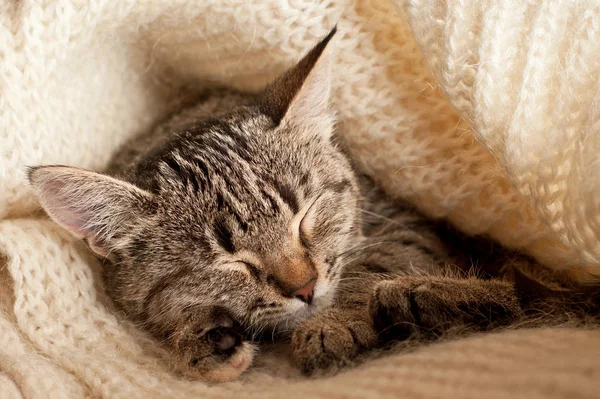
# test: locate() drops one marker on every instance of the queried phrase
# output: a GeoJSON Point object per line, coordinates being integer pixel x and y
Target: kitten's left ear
{"type": "Point", "coordinates": [96, 207]}
{"type": "Point", "coordinates": [301, 95]}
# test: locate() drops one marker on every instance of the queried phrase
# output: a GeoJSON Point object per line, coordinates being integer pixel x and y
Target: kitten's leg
{"type": "Point", "coordinates": [397, 308]}
{"type": "Point", "coordinates": [210, 348]}
{"type": "Point", "coordinates": [393, 288]}
{"type": "Point", "coordinates": [427, 305]}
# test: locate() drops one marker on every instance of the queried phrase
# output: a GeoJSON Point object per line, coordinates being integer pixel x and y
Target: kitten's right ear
{"type": "Point", "coordinates": [90, 205]}
{"type": "Point", "coordinates": [301, 95]}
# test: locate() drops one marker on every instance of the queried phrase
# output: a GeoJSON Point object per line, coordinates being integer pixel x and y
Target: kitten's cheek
{"type": "Point", "coordinates": [323, 290]}
{"type": "Point", "coordinates": [324, 300]}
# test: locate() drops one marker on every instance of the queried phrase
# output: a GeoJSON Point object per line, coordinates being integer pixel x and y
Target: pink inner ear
{"type": "Point", "coordinates": [97, 245]}
{"type": "Point", "coordinates": [90, 205]}
{"type": "Point", "coordinates": [60, 207]}
{"type": "Point", "coordinates": [70, 209]}
{"type": "Point", "coordinates": [67, 202]}
{"type": "Point", "coordinates": [312, 101]}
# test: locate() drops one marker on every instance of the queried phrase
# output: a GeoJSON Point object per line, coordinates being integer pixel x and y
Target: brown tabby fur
{"type": "Point", "coordinates": [214, 222]}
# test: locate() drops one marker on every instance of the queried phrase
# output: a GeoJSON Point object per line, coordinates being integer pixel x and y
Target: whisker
{"type": "Point", "coordinates": [358, 248]}
{"type": "Point", "coordinates": [380, 216]}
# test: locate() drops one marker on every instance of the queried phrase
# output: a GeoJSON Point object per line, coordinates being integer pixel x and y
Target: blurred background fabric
{"type": "Point", "coordinates": [484, 113]}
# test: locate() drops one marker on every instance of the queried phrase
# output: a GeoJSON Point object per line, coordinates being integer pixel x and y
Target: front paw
{"type": "Point", "coordinates": [404, 306]}
{"type": "Point", "coordinates": [331, 340]}
{"type": "Point", "coordinates": [212, 350]}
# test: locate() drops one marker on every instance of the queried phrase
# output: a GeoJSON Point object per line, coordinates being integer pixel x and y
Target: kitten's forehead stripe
{"type": "Point", "coordinates": [181, 172]}
{"type": "Point", "coordinates": [201, 166]}
{"type": "Point", "coordinates": [288, 195]}
{"type": "Point", "coordinates": [271, 200]}
{"type": "Point", "coordinates": [224, 236]}
{"type": "Point", "coordinates": [225, 205]}
{"type": "Point", "coordinates": [304, 178]}
{"type": "Point", "coordinates": [243, 224]}
{"type": "Point", "coordinates": [340, 187]}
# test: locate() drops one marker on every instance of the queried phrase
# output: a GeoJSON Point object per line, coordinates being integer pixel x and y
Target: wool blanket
{"type": "Point", "coordinates": [482, 112]}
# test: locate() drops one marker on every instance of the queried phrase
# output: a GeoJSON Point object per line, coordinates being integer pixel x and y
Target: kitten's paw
{"type": "Point", "coordinates": [393, 309]}
{"type": "Point", "coordinates": [331, 340]}
{"type": "Point", "coordinates": [405, 305]}
{"type": "Point", "coordinates": [214, 353]}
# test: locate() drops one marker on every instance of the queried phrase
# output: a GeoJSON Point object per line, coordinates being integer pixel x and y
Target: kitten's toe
{"type": "Point", "coordinates": [330, 341]}
{"type": "Point", "coordinates": [322, 346]}
{"type": "Point", "coordinates": [232, 361]}
{"type": "Point", "coordinates": [217, 354]}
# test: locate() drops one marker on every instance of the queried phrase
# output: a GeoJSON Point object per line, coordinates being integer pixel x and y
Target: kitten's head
{"type": "Point", "coordinates": [253, 211]}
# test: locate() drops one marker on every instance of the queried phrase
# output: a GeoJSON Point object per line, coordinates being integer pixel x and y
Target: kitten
{"type": "Point", "coordinates": [243, 209]}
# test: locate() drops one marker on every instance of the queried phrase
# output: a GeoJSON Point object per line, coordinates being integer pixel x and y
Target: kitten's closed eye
{"type": "Point", "coordinates": [307, 223]}
{"type": "Point", "coordinates": [246, 262]}
{"type": "Point", "coordinates": [243, 266]}
{"type": "Point", "coordinates": [256, 273]}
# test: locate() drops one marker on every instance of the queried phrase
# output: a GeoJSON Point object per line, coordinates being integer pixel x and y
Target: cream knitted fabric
{"type": "Point", "coordinates": [78, 78]}
{"type": "Point", "coordinates": [525, 75]}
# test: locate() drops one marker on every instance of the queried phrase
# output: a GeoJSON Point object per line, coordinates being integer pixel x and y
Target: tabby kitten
{"type": "Point", "coordinates": [242, 214]}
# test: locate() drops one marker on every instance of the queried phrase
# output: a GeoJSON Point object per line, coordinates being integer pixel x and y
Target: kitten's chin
{"type": "Point", "coordinates": [322, 301]}
{"type": "Point", "coordinates": [301, 311]}
{"type": "Point", "coordinates": [323, 297]}
{"type": "Point", "coordinates": [296, 311]}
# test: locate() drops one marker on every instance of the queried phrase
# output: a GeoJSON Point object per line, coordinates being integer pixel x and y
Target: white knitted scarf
{"type": "Point", "coordinates": [484, 112]}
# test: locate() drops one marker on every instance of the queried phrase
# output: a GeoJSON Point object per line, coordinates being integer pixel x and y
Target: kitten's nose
{"type": "Point", "coordinates": [305, 293]}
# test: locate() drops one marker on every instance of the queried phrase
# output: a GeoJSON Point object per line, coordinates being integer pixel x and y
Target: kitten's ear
{"type": "Point", "coordinates": [90, 205]}
{"type": "Point", "coordinates": [301, 94]}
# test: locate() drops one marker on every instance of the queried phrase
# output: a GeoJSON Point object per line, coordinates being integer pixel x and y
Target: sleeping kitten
{"type": "Point", "coordinates": [242, 209]}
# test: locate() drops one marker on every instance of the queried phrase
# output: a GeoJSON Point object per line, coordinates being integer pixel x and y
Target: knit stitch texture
{"type": "Point", "coordinates": [482, 112]}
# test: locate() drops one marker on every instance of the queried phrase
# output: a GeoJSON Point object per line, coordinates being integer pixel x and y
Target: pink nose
{"type": "Point", "coordinates": [305, 293]}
